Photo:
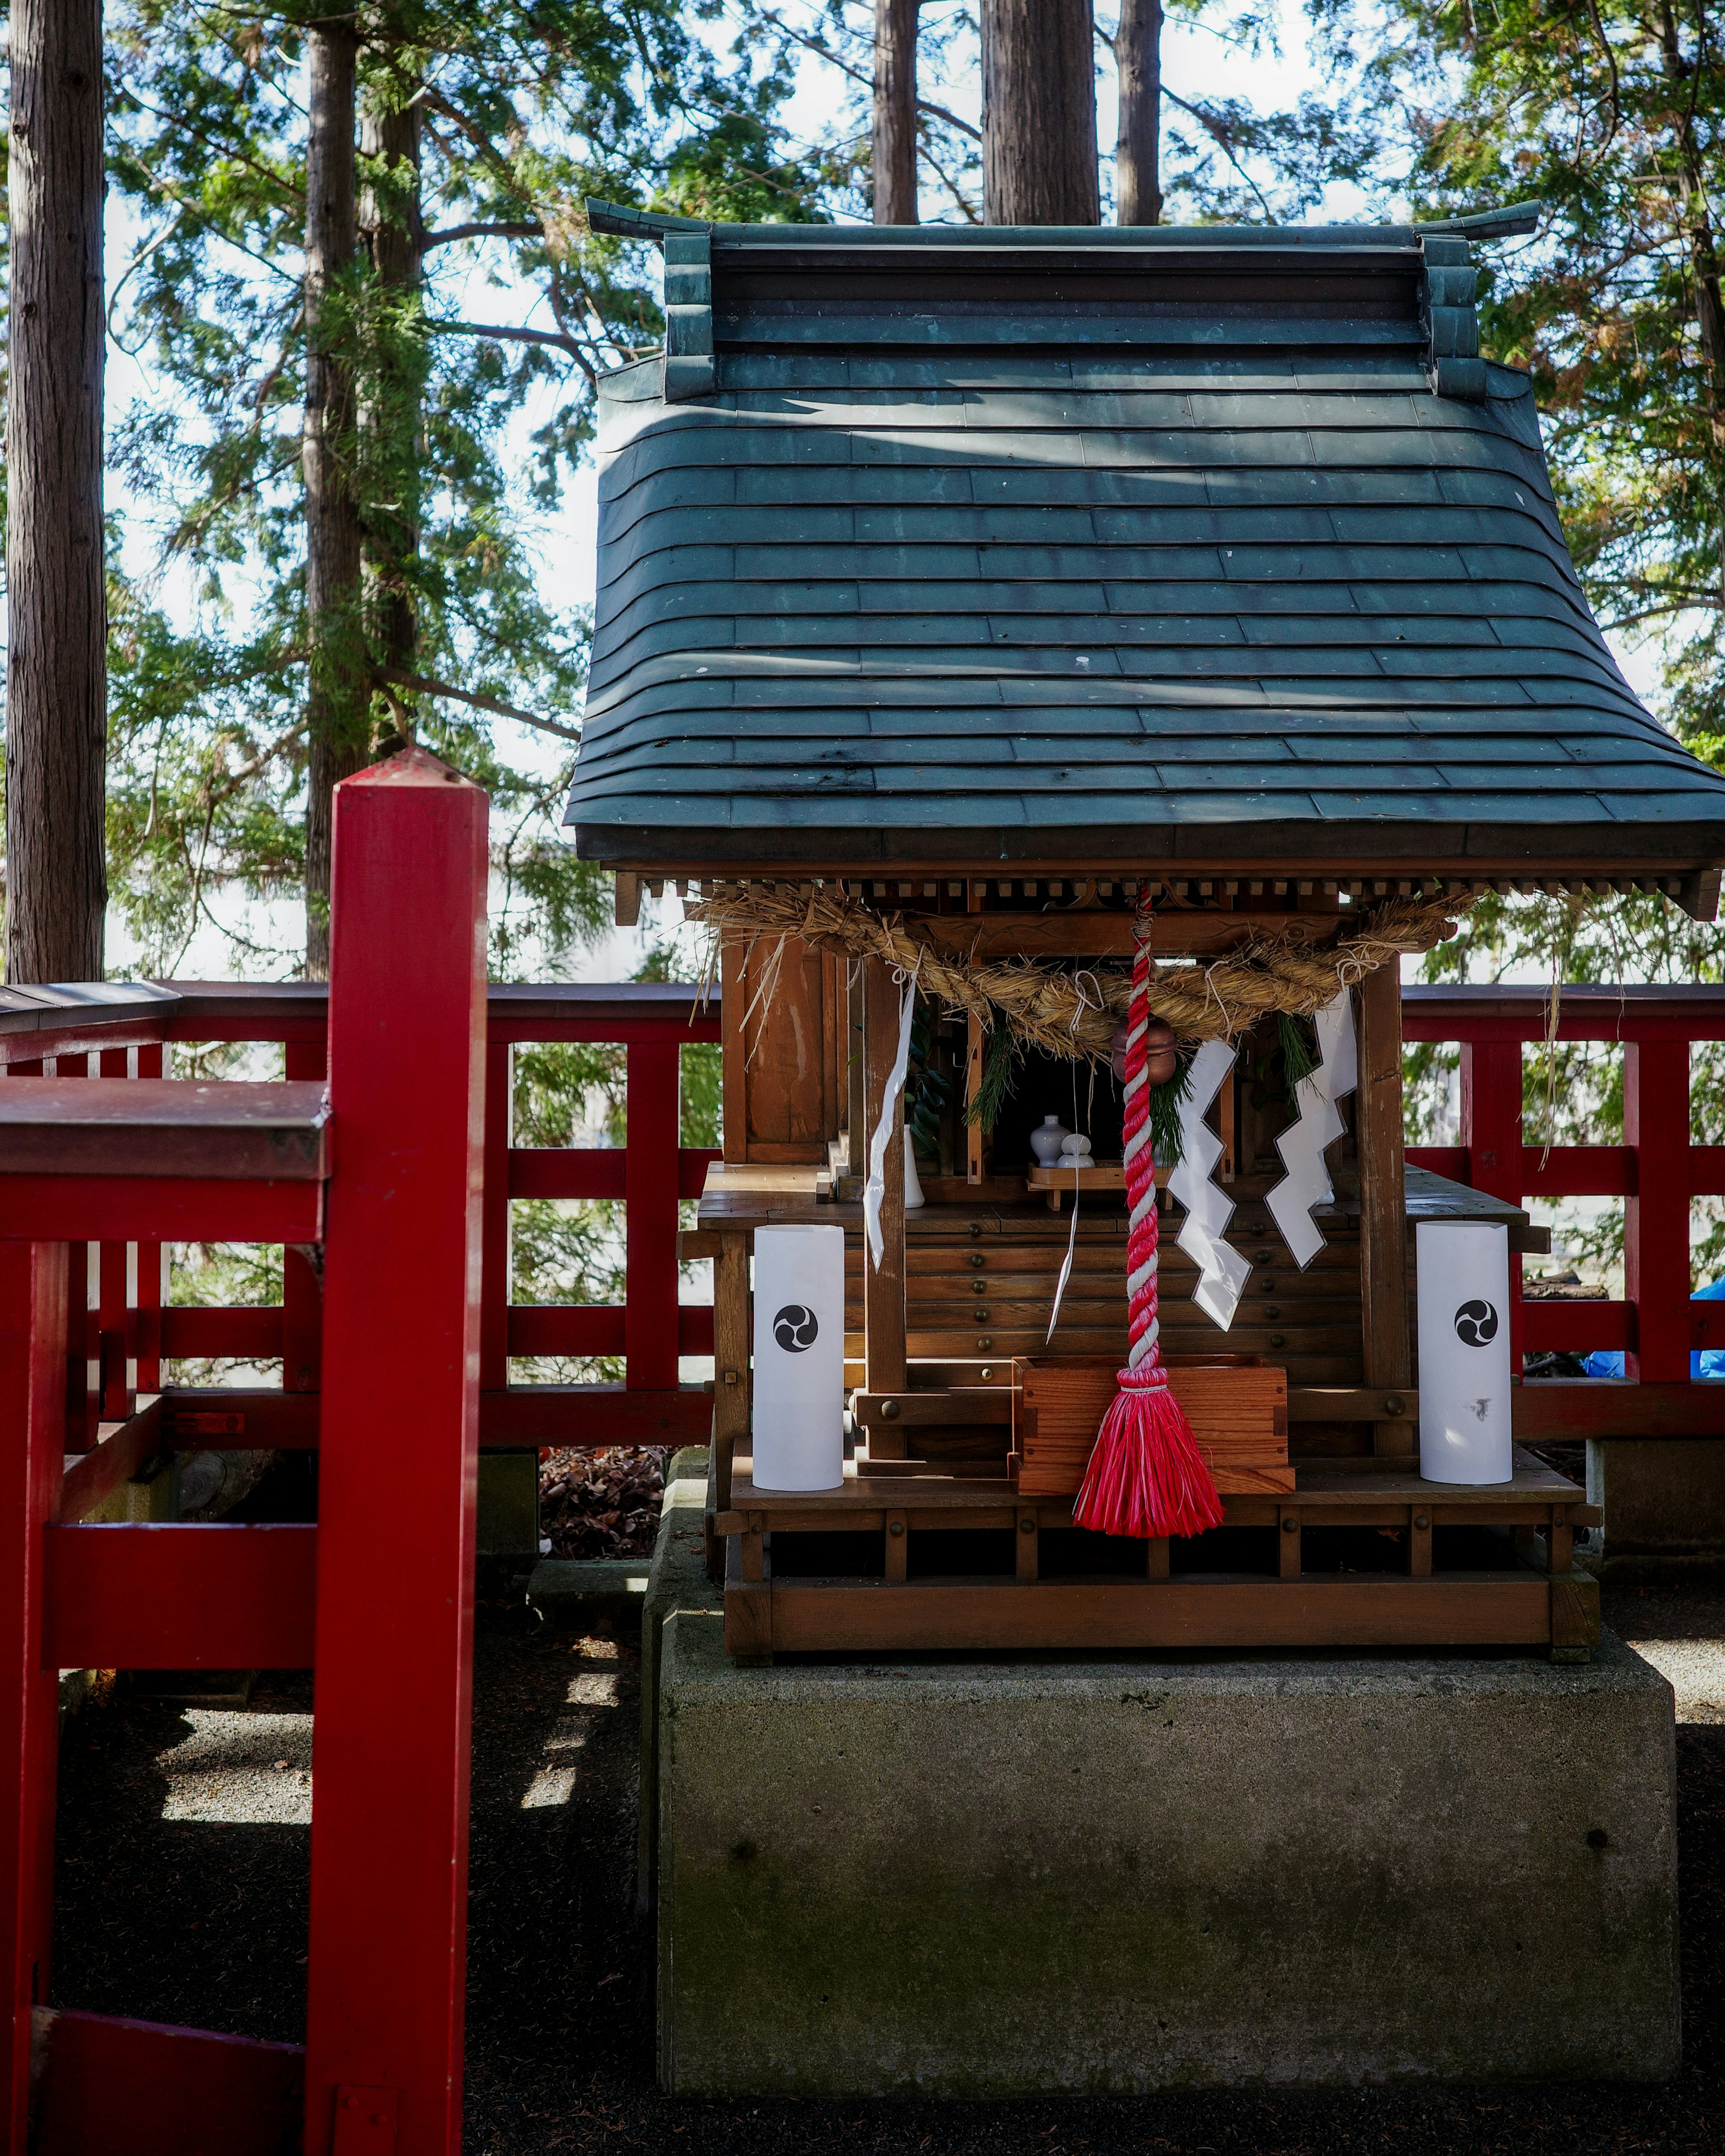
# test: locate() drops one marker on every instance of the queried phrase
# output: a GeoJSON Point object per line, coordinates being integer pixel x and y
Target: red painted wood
{"type": "Point", "coordinates": [1547, 1408]}
{"type": "Point", "coordinates": [1706, 1325]}
{"type": "Point", "coordinates": [106, 1466]}
{"type": "Point", "coordinates": [193, 1597]}
{"type": "Point", "coordinates": [386, 1970]}
{"type": "Point", "coordinates": [1655, 1216]}
{"type": "Point", "coordinates": [1450, 1161]}
{"type": "Point", "coordinates": [569, 1171]}
{"type": "Point", "coordinates": [147, 1319]}
{"type": "Point", "coordinates": [33, 1334]}
{"type": "Point", "coordinates": [595, 1171]}
{"type": "Point", "coordinates": [1491, 1132]}
{"type": "Point", "coordinates": [499, 1189]}
{"type": "Point", "coordinates": [543, 1329]}
{"type": "Point", "coordinates": [301, 1339]}
{"type": "Point", "coordinates": [595, 1414]}
{"type": "Point", "coordinates": [251, 1334]}
{"type": "Point", "coordinates": [166, 1209]}
{"type": "Point", "coordinates": [650, 1313]}
{"type": "Point", "coordinates": [1577, 1171]}
{"type": "Point", "coordinates": [1550, 1328]}
{"type": "Point", "coordinates": [141, 2088]}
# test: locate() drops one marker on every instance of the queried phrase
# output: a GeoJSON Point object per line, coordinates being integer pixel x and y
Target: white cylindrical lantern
{"type": "Point", "coordinates": [799, 1359]}
{"type": "Point", "coordinates": [1464, 1433]}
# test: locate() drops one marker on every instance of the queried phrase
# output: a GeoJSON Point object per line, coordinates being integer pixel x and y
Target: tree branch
{"type": "Point", "coordinates": [424, 686]}
{"type": "Point", "coordinates": [504, 330]}
{"type": "Point", "coordinates": [453, 232]}
{"type": "Point", "coordinates": [1214, 129]}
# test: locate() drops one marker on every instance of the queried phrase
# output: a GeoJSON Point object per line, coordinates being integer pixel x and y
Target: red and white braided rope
{"type": "Point", "coordinates": [1144, 1329]}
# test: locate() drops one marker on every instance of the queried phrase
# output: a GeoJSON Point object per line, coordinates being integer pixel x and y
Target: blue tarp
{"type": "Point", "coordinates": [1706, 1363]}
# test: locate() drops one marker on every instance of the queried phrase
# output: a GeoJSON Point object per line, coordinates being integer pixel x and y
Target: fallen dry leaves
{"type": "Point", "coordinates": [600, 1501]}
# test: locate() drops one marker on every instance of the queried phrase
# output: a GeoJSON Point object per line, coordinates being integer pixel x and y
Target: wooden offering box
{"type": "Point", "coordinates": [965, 598]}
{"type": "Point", "coordinates": [1236, 1404]}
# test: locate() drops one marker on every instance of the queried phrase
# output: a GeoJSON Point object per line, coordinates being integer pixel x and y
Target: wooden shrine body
{"type": "Point", "coordinates": [946, 1338]}
{"type": "Point", "coordinates": [1008, 580]}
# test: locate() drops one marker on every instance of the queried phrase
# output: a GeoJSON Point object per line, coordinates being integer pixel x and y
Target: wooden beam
{"type": "Point", "coordinates": [1384, 1227]}
{"type": "Point", "coordinates": [192, 1597]}
{"type": "Point", "coordinates": [883, 1287]}
{"type": "Point", "coordinates": [108, 2083]}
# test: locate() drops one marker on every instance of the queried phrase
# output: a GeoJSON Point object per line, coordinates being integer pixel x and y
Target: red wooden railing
{"type": "Point", "coordinates": [122, 1029]}
{"type": "Point", "coordinates": [1656, 1171]}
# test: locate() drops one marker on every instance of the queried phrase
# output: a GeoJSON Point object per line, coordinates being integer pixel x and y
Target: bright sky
{"type": "Point", "coordinates": [1198, 62]}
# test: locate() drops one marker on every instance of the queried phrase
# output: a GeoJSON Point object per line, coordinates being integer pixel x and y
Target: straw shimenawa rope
{"type": "Point", "coordinates": [1075, 1014]}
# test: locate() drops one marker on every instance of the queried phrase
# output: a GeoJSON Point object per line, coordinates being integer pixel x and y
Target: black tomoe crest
{"type": "Point", "coordinates": [1476, 1323]}
{"type": "Point", "coordinates": [795, 1327]}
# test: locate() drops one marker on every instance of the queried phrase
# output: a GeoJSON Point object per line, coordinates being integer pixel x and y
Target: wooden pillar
{"type": "Point", "coordinates": [883, 1290]}
{"type": "Point", "coordinates": [731, 1356]}
{"type": "Point", "coordinates": [32, 1337]}
{"type": "Point", "coordinates": [1383, 1209]}
{"type": "Point", "coordinates": [399, 1462]}
{"type": "Point", "coordinates": [1656, 1216]}
{"type": "Point", "coordinates": [857, 1137]}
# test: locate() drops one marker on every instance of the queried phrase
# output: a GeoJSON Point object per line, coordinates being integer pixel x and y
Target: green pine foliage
{"type": "Point", "coordinates": [473, 412]}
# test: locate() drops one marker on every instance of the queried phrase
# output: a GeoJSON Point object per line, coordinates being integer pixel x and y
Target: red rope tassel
{"type": "Point", "coordinates": [1146, 1476]}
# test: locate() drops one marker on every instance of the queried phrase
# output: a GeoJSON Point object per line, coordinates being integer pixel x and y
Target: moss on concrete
{"type": "Point", "coordinates": [986, 1880]}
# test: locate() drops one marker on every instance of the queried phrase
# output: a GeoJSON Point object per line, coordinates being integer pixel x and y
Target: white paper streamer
{"type": "Point", "coordinates": [1303, 1143]}
{"type": "Point", "coordinates": [1223, 1272]}
{"type": "Point", "coordinates": [1053, 1316]}
{"type": "Point", "coordinates": [875, 1189]}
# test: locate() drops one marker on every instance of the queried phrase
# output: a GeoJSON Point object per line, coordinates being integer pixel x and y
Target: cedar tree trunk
{"type": "Point", "coordinates": [895, 111]}
{"type": "Point", "coordinates": [337, 704]}
{"type": "Point", "coordinates": [1039, 113]}
{"type": "Point", "coordinates": [392, 418]}
{"type": "Point", "coordinates": [57, 660]}
{"type": "Point", "coordinates": [1138, 149]}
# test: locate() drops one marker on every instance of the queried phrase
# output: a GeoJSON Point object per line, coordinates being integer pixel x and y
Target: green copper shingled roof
{"type": "Point", "coordinates": [1025, 544]}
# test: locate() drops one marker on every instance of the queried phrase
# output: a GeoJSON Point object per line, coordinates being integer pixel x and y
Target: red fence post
{"type": "Point", "coordinates": [147, 1308]}
{"type": "Point", "coordinates": [1656, 1214]}
{"type": "Point", "coordinates": [399, 1425]}
{"type": "Point", "coordinates": [493, 1306]}
{"type": "Point", "coordinates": [32, 1424]}
{"type": "Point", "coordinates": [1491, 1132]}
{"type": "Point", "coordinates": [301, 1290]}
{"type": "Point", "coordinates": [652, 1135]}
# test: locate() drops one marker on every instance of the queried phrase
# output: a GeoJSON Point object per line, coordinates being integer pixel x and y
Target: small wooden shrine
{"type": "Point", "coordinates": [971, 603]}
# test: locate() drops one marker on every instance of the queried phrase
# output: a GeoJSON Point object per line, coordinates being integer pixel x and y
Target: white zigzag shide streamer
{"type": "Point", "coordinates": [1303, 1143]}
{"type": "Point", "coordinates": [1223, 1272]}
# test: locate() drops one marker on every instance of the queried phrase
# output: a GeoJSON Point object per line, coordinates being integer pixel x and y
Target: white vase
{"type": "Point", "coordinates": [1046, 1142]}
{"type": "Point", "coordinates": [913, 1185]}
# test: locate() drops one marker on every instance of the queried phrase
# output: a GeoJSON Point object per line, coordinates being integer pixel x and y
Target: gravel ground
{"type": "Point", "coordinates": [183, 1864]}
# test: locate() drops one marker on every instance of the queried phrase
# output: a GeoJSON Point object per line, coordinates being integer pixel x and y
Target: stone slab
{"type": "Point", "coordinates": [678, 1582]}
{"type": "Point", "coordinates": [1664, 1503]}
{"type": "Point", "coordinates": [971, 1879]}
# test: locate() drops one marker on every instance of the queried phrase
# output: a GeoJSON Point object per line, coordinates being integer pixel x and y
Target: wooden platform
{"type": "Point", "coordinates": [1287, 1603]}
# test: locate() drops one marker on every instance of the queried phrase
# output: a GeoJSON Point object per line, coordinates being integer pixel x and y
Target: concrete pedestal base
{"type": "Point", "coordinates": [1664, 1503]}
{"type": "Point", "coordinates": [979, 1880]}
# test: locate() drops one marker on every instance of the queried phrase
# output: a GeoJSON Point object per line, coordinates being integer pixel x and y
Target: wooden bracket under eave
{"type": "Point", "coordinates": [628, 899]}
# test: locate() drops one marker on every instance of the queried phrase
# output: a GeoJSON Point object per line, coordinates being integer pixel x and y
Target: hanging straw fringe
{"type": "Point", "coordinates": [1073, 1015]}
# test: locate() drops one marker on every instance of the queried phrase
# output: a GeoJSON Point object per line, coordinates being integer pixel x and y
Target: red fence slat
{"type": "Point", "coordinates": [111, 2084]}
{"type": "Point", "coordinates": [162, 1207]}
{"type": "Point", "coordinates": [241, 1330]}
{"type": "Point", "coordinates": [1551, 1328]}
{"type": "Point", "coordinates": [1655, 1217]}
{"type": "Point", "coordinates": [198, 1596]}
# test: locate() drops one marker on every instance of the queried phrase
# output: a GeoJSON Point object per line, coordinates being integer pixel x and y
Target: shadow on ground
{"type": "Point", "coordinates": [182, 1897]}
